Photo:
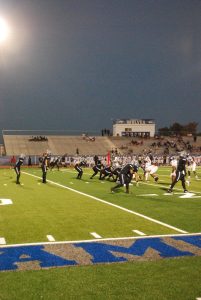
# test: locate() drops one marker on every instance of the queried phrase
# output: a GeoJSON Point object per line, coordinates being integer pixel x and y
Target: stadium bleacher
{"type": "Point", "coordinates": [100, 145]}
{"type": "Point", "coordinates": [57, 145]}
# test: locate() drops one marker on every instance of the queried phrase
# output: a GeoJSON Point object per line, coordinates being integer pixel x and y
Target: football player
{"type": "Point", "coordinates": [18, 166]}
{"type": "Point", "coordinates": [97, 168]}
{"type": "Point", "coordinates": [78, 168]}
{"type": "Point", "coordinates": [125, 177]}
{"type": "Point", "coordinates": [180, 173]}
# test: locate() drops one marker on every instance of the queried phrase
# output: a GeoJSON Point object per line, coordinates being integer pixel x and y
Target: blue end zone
{"type": "Point", "coordinates": [100, 252]}
{"type": "Point", "coordinates": [10, 257]}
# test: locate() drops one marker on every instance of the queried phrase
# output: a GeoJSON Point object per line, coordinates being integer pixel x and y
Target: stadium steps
{"type": "Point", "coordinates": [57, 145]}
{"type": "Point", "coordinates": [18, 144]}
{"type": "Point", "coordinates": [60, 145]}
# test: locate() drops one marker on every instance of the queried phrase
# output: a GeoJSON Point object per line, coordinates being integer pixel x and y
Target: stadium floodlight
{"type": "Point", "coordinates": [4, 30]}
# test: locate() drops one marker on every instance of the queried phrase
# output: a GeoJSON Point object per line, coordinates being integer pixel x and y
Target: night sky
{"type": "Point", "coordinates": [79, 64]}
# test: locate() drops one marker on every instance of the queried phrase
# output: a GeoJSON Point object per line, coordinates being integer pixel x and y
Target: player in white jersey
{"type": "Point", "coordinates": [173, 163]}
{"type": "Point", "coordinates": [192, 167]}
{"type": "Point", "coordinates": [150, 169]}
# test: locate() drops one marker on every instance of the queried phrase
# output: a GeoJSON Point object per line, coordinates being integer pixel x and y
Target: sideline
{"type": "Point", "coordinates": [111, 204]}
{"type": "Point", "coordinates": [103, 240]}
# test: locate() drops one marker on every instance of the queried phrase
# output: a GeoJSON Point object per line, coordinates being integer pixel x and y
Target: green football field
{"type": "Point", "coordinates": [67, 209]}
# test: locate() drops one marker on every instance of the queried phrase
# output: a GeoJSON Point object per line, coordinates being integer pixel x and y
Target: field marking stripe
{"type": "Point", "coordinates": [96, 235]}
{"type": "Point", "coordinates": [113, 205]}
{"type": "Point", "coordinates": [102, 240]}
{"type": "Point", "coordinates": [50, 238]}
{"type": "Point", "coordinates": [146, 195]}
{"type": "Point", "coordinates": [2, 241]}
{"type": "Point", "coordinates": [139, 232]}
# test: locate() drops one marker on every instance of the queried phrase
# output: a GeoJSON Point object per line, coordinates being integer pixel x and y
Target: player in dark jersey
{"type": "Point", "coordinates": [115, 172]}
{"type": "Point", "coordinates": [78, 168]}
{"type": "Point", "coordinates": [125, 177]}
{"type": "Point", "coordinates": [18, 166]}
{"type": "Point", "coordinates": [55, 163]}
{"type": "Point", "coordinates": [48, 158]}
{"type": "Point", "coordinates": [96, 159]}
{"type": "Point", "coordinates": [136, 176]}
{"type": "Point", "coordinates": [180, 173]}
{"type": "Point", "coordinates": [44, 167]}
{"type": "Point", "coordinates": [97, 168]}
{"type": "Point", "coordinates": [105, 172]}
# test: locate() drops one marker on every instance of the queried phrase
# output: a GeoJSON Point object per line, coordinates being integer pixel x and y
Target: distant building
{"type": "Point", "coordinates": [134, 127]}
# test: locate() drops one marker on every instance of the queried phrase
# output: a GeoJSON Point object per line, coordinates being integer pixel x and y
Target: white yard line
{"type": "Point", "coordinates": [102, 240]}
{"type": "Point", "coordinates": [111, 204]}
{"type": "Point", "coordinates": [147, 195]}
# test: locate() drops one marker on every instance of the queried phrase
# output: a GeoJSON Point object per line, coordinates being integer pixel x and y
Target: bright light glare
{"type": "Point", "coordinates": [4, 30]}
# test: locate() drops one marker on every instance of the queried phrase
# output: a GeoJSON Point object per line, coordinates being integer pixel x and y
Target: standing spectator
{"type": "Point", "coordinates": [12, 161]}
{"type": "Point", "coordinates": [29, 161]}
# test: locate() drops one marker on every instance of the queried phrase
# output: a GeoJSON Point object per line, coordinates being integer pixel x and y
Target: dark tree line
{"type": "Point", "coordinates": [179, 129]}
